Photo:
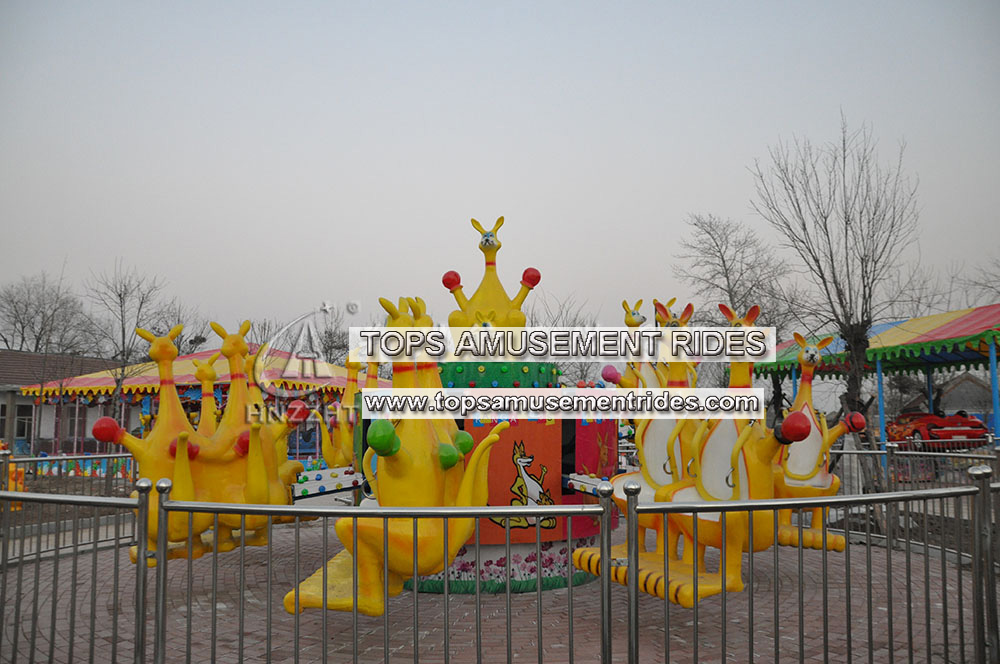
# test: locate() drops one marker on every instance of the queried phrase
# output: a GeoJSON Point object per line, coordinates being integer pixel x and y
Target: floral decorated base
{"type": "Point", "coordinates": [523, 569]}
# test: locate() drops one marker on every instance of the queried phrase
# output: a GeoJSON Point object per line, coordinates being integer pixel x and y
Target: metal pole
{"type": "Point", "coordinates": [984, 574]}
{"type": "Point", "coordinates": [881, 401]}
{"type": "Point", "coordinates": [604, 493]}
{"type": "Point", "coordinates": [5, 468]}
{"type": "Point", "coordinates": [160, 639]}
{"type": "Point", "coordinates": [995, 387]}
{"type": "Point", "coordinates": [143, 486]}
{"type": "Point", "coordinates": [890, 482]}
{"type": "Point", "coordinates": [930, 389]}
{"type": "Point", "coordinates": [632, 489]}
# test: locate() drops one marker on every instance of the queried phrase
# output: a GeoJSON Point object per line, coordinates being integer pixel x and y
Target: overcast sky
{"type": "Point", "coordinates": [265, 157]}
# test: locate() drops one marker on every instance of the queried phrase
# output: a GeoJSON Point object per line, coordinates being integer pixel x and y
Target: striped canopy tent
{"type": "Point", "coordinates": [966, 338]}
{"type": "Point", "coordinates": [280, 368]}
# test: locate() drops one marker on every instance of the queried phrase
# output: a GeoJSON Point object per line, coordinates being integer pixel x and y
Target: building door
{"type": "Point", "coordinates": [22, 429]}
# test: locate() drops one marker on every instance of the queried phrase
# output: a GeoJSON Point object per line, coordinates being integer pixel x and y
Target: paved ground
{"type": "Point", "coordinates": [845, 631]}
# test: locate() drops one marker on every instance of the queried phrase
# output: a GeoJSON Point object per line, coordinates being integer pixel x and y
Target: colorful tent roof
{"type": "Point", "coordinates": [280, 368]}
{"type": "Point", "coordinates": [952, 339]}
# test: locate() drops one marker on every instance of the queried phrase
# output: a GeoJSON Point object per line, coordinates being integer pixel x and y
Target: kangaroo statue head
{"type": "Point", "coordinates": [489, 243]}
{"type": "Point", "coordinates": [633, 317]}
{"type": "Point", "coordinates": [161, 349]}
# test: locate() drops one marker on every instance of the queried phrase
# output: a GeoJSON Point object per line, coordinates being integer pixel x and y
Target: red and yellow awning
{"type": "Point", "coordinates": [278, 368]}
{"type": "Point", "coordinates": [951, 339]}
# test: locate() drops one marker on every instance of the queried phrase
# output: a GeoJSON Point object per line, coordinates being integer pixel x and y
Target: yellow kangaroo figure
{"type": "Point", "coordinates": [802, 470]}
{"type": "Point", "coordinates": [490, 304]}
{"type": "Point", "coordinates": [419, 465]}
{"type": "Point", "coordinates": [166, 451]}
{"type": "Point", "coordinates": [663, 445]}
{"type": "Point", "coordinates": [338, 446]}
{"type": "Point", "coordinates": [238, 464]}
{"type": "Point", "coordinates": [206, 375]}
{"type": "Point", "coordinates": [732, 460]}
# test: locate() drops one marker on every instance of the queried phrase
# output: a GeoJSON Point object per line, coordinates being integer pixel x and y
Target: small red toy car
{"type": "Point", "coordinates": [937, 433]}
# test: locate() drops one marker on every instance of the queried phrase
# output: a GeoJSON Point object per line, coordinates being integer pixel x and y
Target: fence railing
{"type": "Point", "coordinates": [921, 589]}
{"type": "Point", "coordinates": [105, 475]}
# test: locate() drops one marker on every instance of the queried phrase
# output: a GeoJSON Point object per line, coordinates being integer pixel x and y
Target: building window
{"type": "Point", "coordinates": [22, 422]}
{"type": "Point", "coordinates": [3, 420]}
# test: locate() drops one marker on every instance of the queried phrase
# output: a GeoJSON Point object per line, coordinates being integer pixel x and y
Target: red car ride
{"type": "Point", "coordinates": [937, 432]}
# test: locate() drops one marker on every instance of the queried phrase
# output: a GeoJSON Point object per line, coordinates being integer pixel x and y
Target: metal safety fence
{"type": "Point", "coordinates": [856, 589]}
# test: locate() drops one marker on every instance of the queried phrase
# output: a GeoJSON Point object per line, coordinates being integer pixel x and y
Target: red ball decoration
{"type": "Point", "coordinates": [192, 449]}
{"type": "Point", "coordinates": [855, 422]}
{"type": "Point", "coordinates": [451, 280]}
{"type": "Point", "coordinates": [610, 374]}
{"type": "Point", "coordinates": [796, 427]}
{"type": "Point", "coordinates": [472, 383]}
{"type": "Point", "coordinates": [107, 430]}
{"type": "Point", "coordinates": [517, 383]}
{"type": "Point", "coordinates": [242, 444]}
{"type": "Point", "coordinates": [531, 277]}
{"type": "Point", "coordinates": [581, 383]}
{"type": "Point", "coordinates": [298, 412]}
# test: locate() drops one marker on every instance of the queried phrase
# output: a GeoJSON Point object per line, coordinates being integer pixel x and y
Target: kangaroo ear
{"type": "Point", "coordinates": [221, 331]}
{"type": "Point", "coordinates": [214, 357]}
{"type": "Point", "coordinates": [799, 339]}
{"type": "Point", "coordinates": [626, 307]}
{"type": "Point", "coordinates": [389, 307]}
{"type": "Point", "coordinates": [496, 226]}
{"type": "Point", "coordinates": [752, 315]}
{"type": "Point", "coordinates": [478, 226]}
{"type": "Point", "coordinates": [244, 328]}
{"type": "Point", "coordinates": [686, 314]}
{"type": "Point", "coordinates": [145, 334]}
{"type": "Point", "coordinates": [671, 302]}
{"type": "Point", "coordinates": [661, 310]}
{"type": "Point", "coordinates": [727, 312]}
{"type": "Point", "coordinates": [174, 331]}
{"type": "Point", "coordinates": [638, 305]}
{"type": "Point", "coordinates": [825, 342]}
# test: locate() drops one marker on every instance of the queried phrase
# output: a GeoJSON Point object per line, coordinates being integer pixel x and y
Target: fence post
{"type": "Point", "coordinates": [983, 575]}
{"type": "Point", "coordinates": [632, 489]}
{"type": "Point", "coordinates": [163, 487]}
{"type": "Point", "coordinates": [143, 486]}
{"type": "Point", "coordinates": [891, 476]}
{"type": "Point", "coordinates": [604, 492]}
{"type": "Point", "coordinates": [5, 467]}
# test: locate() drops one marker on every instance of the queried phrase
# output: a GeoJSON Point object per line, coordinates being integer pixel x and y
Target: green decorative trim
{"type": "Point", "coordinates": [468, 587]}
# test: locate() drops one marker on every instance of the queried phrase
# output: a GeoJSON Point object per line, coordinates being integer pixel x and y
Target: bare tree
{"type": "Point", "coordinates": [726, 261]}
{"type": "Point", "coordinates": [42, 315]}
{"type": "Point", "coordinates": [263, 330]}
{"type": "Point", "coordinates": [985, 284]}
{"type": "Point", "coordinates": [124, 299]}
{"type": "Point", "coordinates": [850, 220]}
{"type": "Point", "coordinates": [549, 311]}
{"type": "Point", "coordinates": [335, 336]}
{"type": "Point", "coordinates": [196, 330]}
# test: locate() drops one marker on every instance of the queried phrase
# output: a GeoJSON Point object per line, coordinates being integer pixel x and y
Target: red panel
{"type": "Point", "coordinates": [525, 469]}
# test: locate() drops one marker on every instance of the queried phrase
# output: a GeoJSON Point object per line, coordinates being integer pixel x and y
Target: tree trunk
{"type": "Point", "coordinates": [856, 338]}
{"type": "Point", "coordinates": [777, 399]}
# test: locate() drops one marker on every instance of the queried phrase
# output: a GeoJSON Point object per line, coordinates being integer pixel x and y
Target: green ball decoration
{"type": "Point", "coordinates": [382, 438]}
{"type": "Point", "coordinates": [448, 455]}
{"type": "Point", "coordinates": [464, 442]}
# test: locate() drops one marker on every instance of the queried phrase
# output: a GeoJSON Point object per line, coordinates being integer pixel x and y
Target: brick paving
{"type": "Point", "coordinates": [693, 637]}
